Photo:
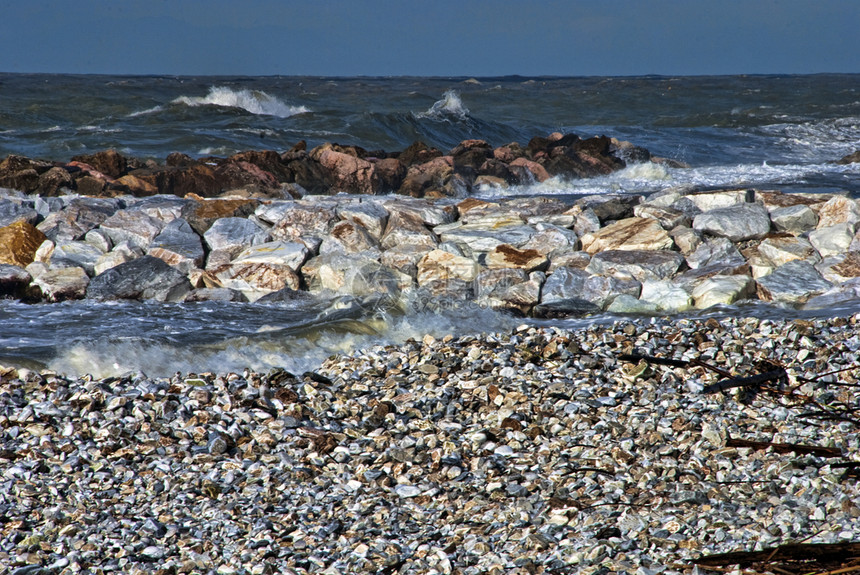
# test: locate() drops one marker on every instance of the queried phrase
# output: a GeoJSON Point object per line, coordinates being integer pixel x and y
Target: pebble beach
{"type": "Point", "coordinates": [536, 451]}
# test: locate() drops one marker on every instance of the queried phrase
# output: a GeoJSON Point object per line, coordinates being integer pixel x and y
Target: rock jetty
{"type": "Point", "coordinates": [536, 451]}
{"type": "Point", "coordinates": [665, 252]}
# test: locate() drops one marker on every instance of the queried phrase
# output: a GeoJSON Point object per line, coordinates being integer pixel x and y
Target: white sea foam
{"type": "Point", "coordinates": [253, 101]}
{"type": "Point", "coordinates": [450, 105]}
{"type": "Point", "coordinates": [818, 141]}
{"type": "Point", "coordinates": [148, 111]}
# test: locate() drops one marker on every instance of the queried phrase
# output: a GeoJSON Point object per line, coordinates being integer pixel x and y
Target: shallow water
{"type": "Point", "coordinates": [767, 132]}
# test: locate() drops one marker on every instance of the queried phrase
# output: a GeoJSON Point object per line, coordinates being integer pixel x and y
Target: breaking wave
{"type": "Point", "coordinates": [253, 101]}
{"type": "Point", "coordinates": [450, 106]}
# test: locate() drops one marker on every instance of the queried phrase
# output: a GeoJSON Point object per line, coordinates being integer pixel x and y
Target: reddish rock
{"type": "Point", "coordinates": [348, 173]}
{"type": "Point", "coordinates": [18, 244]}
{"type": "Point", "coordinates": [430, 176]}
{"type": "Point", "coordinates": [536, 170]}
{"type": "Point", "coordinates": [108, 162]}
{"type": "Point", "coordinates": [232, 175]}
{"type": "Point", "coordinates": [418, 153]}
{"type": "Point", "coordinates": [267, 160]}
{"type": "Point", "coordinates": [391, 173]}
{"type": "Point", "coordinates": [509, 152]}
{"type": "Point", "coordinates": [471, 153]}
{"type": "Point", "coordinates": [202, 213]}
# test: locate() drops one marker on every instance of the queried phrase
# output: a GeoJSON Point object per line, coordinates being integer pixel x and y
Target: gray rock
{"type": "Point", "coordinates": [564, 284]}
{"type": "Point", "coordinates": [303, 218]}
{"type": "Point", "coordinates": [118, 255]}
{"type": "Point", "coordinates": [666, 295]}
{"type": "Point", "coordinates": [602, 290]}
{"type": "Point", "coordinates": [99, 239]}
{"type": "Point", "coordinates": [228, 237]}
{"type": "Point", "coordinates": [737, 223]}
{"type": "Point", "coordinates": [781, 250]}
{"type": "Point", "coordinates": [370, 214]}
{"type": "Point", "coordinates": [641, 265]}
{"type": "Point", "coordinates": [221, 294]}
{"type": "Point", "coordinates": [79, 217]}
{"type": "Point", "coordinates": [723, 289]}
{"type": "Point", "coordinates": [794, 219]}
{"type": "Point", "coordinates": [475, 239]}
{"type": "Point", "coordinates": [667, 216]}
{"type": "Point", "coordinates": [626, 304]}
{"type": "Point", "coordinates": [714, 251]}
{"type": "Point", "coordinates": [407, 229]}
{"type": "Point", "coordinates": [832, 240]}
{"type": "Point", "coordinates": [687, 239]}
{"type": "Point", "coordinates": [62, 284]}
{"type": "Point", "coordinates": [76, 254]}
{"type": "Point", "coordinates": [793, 283]}
{"type": "Point", "coordinates": [12, 211]}
{"type": "Point", "coordinates": [14, 281]}
{"type": "Point", "coordinates": [431, 213]}
{"type": "Point", "coordinates": [350, 274]}
{"type": "Point", "coordinates": [290, 254]}
{"type": "Point", "coordinates": [146, 277]}
{"type": "Point", "coordinates": [132, 226]}
{"type": "Point", "coordinates": [179, 246]}
{"type": "Point", "coordinates": [349, 237]}
{"type": "Point", "coordinates": [509, 288]}
{"type": "Point", "coordinates": [552, 240]}
{"type": "Point", "coordinates": [162, 208]}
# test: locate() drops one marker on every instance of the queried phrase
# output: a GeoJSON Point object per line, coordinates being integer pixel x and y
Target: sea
{"type": "Point", "coordinates": [781, 132]}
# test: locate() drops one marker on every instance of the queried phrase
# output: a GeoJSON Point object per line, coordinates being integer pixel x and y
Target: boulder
{"type": "Point", "coordinates": [14, 282]}
{"type": "Point", "coordinates": [628, 234]}
{"type": "Point", "coordinates": [135, 186]}
{"type": "Point", "coordinates": [407, 229]}
{"type": "Point", "coordinates": [370, 214]}
{"type": "Point", "coordinates": [627, 304]}
{"type": "Point", "coordinates": [79, 217]}
{"type": "Point", "coordinates": [179, 246]}
{"type": "Point", "coordinates": [838, 210]}
{"type": "Point", "coordinates": [640, 265]}
{"type": "Point", "coordinates": [390, 173]}
{"type": "Point", "coordinates": [215, 294]}
{"type": "Point", "coordinates": [792, 283]}
{"type": "Point", "coordinates": [832, 240]}
{"type": "Point", "coordinates": [715, 251]}
{"type": "Point", "coordinates": [687, 240]}
{"type": "Point", "coordinates": [54, 182]}
{"type": "Point", "coordinates": [76, 254]}
{"type": "Point", "coordinates": [537, 172]}
{"type": "Point", "coordinates": [780, 250]}
{"type": "Point", "coordinates": [120, 254]}
{"type": "Point", "coordinates": [506, 293]}
{"type": "Point", "coordinates": [21, 173]}
{"type": "Point", "coordinates": [255, 279]}
{"type": "Point", "coordinates": [429, 212]}
{"type": "Point", "coordinates": [227, 237]}
{"type": "Point", "coordinates": [349, 237]}
{"type": "Point", "coordinates": [132, 226]}
{"type": "Point", "coordinates": [12, 211]}
{"type": "Point", "coordinates": [442, 266]}
{"type": "Point", "coordinates": [668, 217]}
{"type": "Point", "coordinates": [405, 258]}
{"type": "Point", "coordinates": [851, 158]}
{"type": "Point", "coordinates": [723, 289]}
{"type": "Point", "coordinates": [477, 239]}
{"type": "Point", "coordinates": [351, 274]}
{"type": "Point", "coordinates": [303, 219]}
{"type": "Point", "coordinates": [585, 220]}
{"type": "Point", "coordinates": [610, 207]}
{"type": "Point", "coordinates": [707, 201]}
{"type": "Point", "coordinates": [566, 284]}
{"type": "Point", "coordinates": [108, 162]}
{"type": "Point", "coordinates": [603, 290]}
{"type": "Point", "coordinates": [471, 154]}
{"type": "Point", "coordinates": [418, 153]}
{"type": "Point", "coordinates": [348, 173]}
{"type": "Point", "coordinates": [18, 243]}
{"type": "Point", "coordinates": [277, 253]}
{"type": "Point", "coordinates": [432, 177]}
{"type": "Point", "coordinates": [795, 219]}
{"type": "Point", "coordinates": [578, 260]}
{"type": "Point", "coordinates": [841, 268]}
{"type": "Point", "coordinates": [738, 223]}
{"type": "Point", "coordinates": [507, 256]}
{"type": "Point", "coordinates": [666, 295]}
{"type": "Point", "coordinates": [163, 208]}
{"type": "Point", "coordinates": [202, 213]}
{"type": "Point", "coordinates": [551, 240]}
{"type": "Point", "coordinates": [62, 284]}
{"type": "Point", "coordinates": [143, 278]}
{"type": "Point", "coordinates": [99, 240]}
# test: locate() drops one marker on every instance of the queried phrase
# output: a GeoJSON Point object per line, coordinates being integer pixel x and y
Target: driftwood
{"type": "Point", "coordinates": [786, 447]}
{"type": "Point", "coordinates": [792, 558]}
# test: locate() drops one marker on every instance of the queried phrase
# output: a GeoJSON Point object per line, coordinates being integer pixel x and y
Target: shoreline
{"type": "Point", "coordinates": [537, 450]}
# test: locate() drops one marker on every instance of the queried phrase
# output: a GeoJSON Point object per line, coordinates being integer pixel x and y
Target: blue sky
{"type": "Point", "coordinates": [430, 38]}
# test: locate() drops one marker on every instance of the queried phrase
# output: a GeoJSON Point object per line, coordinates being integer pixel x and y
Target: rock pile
{"type": "Point", "coordinates": [541, 256]}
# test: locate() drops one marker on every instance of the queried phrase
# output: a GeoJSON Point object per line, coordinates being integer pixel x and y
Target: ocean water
{"type": "Point", "coordinates": [767, 132]}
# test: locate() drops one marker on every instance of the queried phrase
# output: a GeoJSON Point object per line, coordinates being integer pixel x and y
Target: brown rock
{"type": "Point", "coordinates": [850, 158]}
{"type": "Point", "coordinates": [628, 234]}
{"type": "Point", "coordinates": [90, 186]}
{"type": "Point", "coordinates": [509, 152]}
{"type": "Point", "coordinates": [418, 153]}
{"type": "Point", "coordinates": [507, 256]}
{"type": "Point", "coordinates": [471, 153]}
{"type": "Point", "coordinates": [422, 179]}
{"type": "Point", "coordinates": [202, 213]}
{"type": "Point", "coordinates": [539, 172]}
{"type": "Point", "coordinates": [407, 229]}
{"type": "Point", "coordinates": [390, 172]}
{"type": "Point", "coordinates": [18, 244]}
{"type": "Point", "coordinates": [267, 160]}
{"type": "Point", "coordinates": [52, 182]}
{"type": "Point", "coordinates": [136, 186]}
{"type": "Point", "coordinates": [349, 237]}
{"type": "Point", "coordinates": [108, 162]}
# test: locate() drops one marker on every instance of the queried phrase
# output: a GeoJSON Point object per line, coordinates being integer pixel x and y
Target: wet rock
{"type": "Point", "coordinates": [202, 213]}
{"type": "Point", "coordinates": [227, 237]}
{"type": "Point", "coordinates": [405, 258]}
{"type": "Point", "coordinates": [627, 304]}
{"type": "Point", "coordinates": [418, 153]}
{"type": "Point", "coordinates": [507, 256]}
{"type": "Point", "coordinates": [21, 173]}
{"type": "Point", "coordinates": [132, 226]}
{"type": "Point", "coordinates": [795, 219]}
{"type": "Point", "coordinates": [215, 294]}
{"type": "Point", "coordinates": [666, 295]}
{"type": "Point", "coordinates": [355, 275]}
{"type": "Point", "coordinates": [537, 172]}
{"type": "Point", "coordinates": [14, 281]}
{"type": "Point", "coordinates": [509, 289]}
{"type": "Point", "coordinates": [850, 158]}
{"type": "Point", "coordinates": [737, 223]}
{"type": "Point", "coordinates": [439, 265]}
{"type": "Point", "coordinates": [471, 153]}
{"type": "Point", "coordinates": [628, 234]}
{"type": "Point", "coordinates": [349, 237]}
{"type": "Point", "coordinates": [18, 243]}
{"type": "Point", "coordinates": [255, 280]}
{"type": "Point", "coordinates": [62, 284]}
{"type": "Point", "coordinates": [179, 246]}
{"type": "Point", "coordinates": [832, 240]}
{"type": "Point", "coordinates": [564, 284]}
{"type": "Point", "coordinates": [146, 277]}
{"type": "Point", "coordinates": [641, 265]}
{"type": "Point", "coordinates": [78, 218]}
{"type": "Point", "coordinates": [477, 239]}
{"type": "Point", "coordinates": [714, 251]}
{"type": "Point", "coordinates": [135, 186]}
{"type": "Point", "coordinates": [723, 289]}
{"type": "Point", "coordinates": [407, 229]}
{"type": "Point", "coordinates": [552, 240]}
{"type": "Point", "coordinates": [841, 268]}
{"type": "Point", "coordinates": [792, 283]}
{"type": "Point", "coordinates": [390, 172]}
{"type": "Point", "coordinates": [290, 254]}
{"type": "Point", "coordinates": [372, 215]}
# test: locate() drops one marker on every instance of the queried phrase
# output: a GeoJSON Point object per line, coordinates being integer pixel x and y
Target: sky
{"type": "Point", "coordinates": [430, 38]}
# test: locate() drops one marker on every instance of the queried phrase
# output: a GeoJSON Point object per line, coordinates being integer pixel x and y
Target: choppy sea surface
{"type": "Point", "coordinates": [767, 132]}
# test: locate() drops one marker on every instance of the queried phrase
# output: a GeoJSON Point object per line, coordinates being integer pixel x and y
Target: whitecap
{"type": "Point", "coordinates": [148, 111]}
{"type": "Point", "coordinates": [253, 101]}
{"type": "Point", "coordinates": [449, 106]}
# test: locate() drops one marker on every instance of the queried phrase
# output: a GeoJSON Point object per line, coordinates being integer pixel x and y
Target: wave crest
{"type": "Point", "coordinates": [449, 106]}
{"type": "Point", "coordinates": [253, 101]}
